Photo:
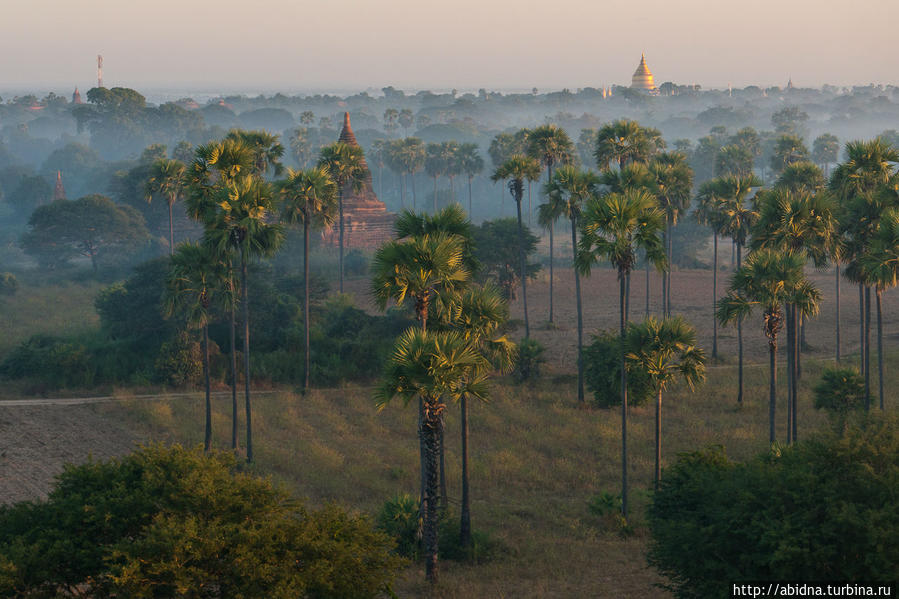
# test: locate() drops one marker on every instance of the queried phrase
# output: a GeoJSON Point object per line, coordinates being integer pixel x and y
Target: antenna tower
{"type": "Point", "coordinates": [99, 70]}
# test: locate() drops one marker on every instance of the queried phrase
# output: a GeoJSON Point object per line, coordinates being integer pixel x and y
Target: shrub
{"type": "Point", "coordinates": [820, 510]}
{"type": "Point", "coordinates": [528, 360]}
{"type": "Point", "coordinates": [129, 527]}
{"type": "Point", "coordinates": [607, 507]}
{"type": "Point", "coordinates": [602, 373]}
{"type": "Point", "coordinates": [8, 283]}
{"type": "Point", "coordinates": [51, 360]}
{"type": "Point", "coordinates": [180, 361]}
{"type": "Point", "coordinates": [840, 392]}
{"type": "Point", "coordinates": [400, 519]}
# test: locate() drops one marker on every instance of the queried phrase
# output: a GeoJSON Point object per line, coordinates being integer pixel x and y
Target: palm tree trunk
{"type": "Point", "coordinates": [879, 346]}
{"type": "Point", "coordinates": [867, 348]}
{"type": "Point", "coordinates": [622, 300]}
{"type": "Point", "coordinates": [524, 277]}
{"type": "Point", "coordinates": [670, 270]}
{"type": "Point", "coordinates": [469, 197]}
{"type": "Point", "coordinates": [658, 438]}
{"type": "Point", "coordinates": [207, 441]}
{"type": "Point", "coordinates": [861, 328]}
{"type": "Point", "coordinates": [307, 347]}
{"type": "Point", "coordinates": [800, 341]}
{"type": "Point", "coordinates": [340, 228]}
{"type": "Point", "coordinates": [794, 382]}
{"type": "Point", "coordinates": [837, 271]}
{"type": "Point", "coordinates": [739, 339]}
{"type": "Point", "coordinates": [664, 274]}
{"type": "Point", "coordinates": [551, 227]}
{"type": "Point", "coordinates": [647, 289]}
{"type": "Point", "coordinates": [791, 369]}
{"type": "Point", "coordinates": [414, 199]}
{"type": "Point", "coordinates": [246, 351]}
{"type": "Point", "coordinates": [171, 229]}
{"type": "Point", "coordinates": [431, 438]}
{"type": "Point", "coordinates": [443, 496]}
{"type": "Point", "coordinates": [529, 203]}
{"type": "Point", "coordinates": [580, 313]}
{"type": "Point", "coordinates": [714, 295]}
{"type": "Point", "coordinates": [772, 388]}
{"type": "Point", "coordinates": [233, 328]}
{"type": "Point", "coordinates": [465, 526]}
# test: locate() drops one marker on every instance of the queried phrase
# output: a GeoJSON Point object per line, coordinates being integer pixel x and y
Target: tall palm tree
{"type": "Point", "coordinates": [346, 165]}
{"type": "Point", "coordinates": [769, 280]}
{"type": "Point", "coordinates": [736, 216]}
{"type": "Point", "coordinates": [567, 193]}
{"type": "Point", "coordinates": [614, 227]}
{"type": "Point", "coordinates": [450, 151]}
{"type": "Point", "coordinates": [452, 220]}
{"type": "Point", "coordinates": [515, 170]}
{"type": "Point", "coordinates": [214, 166]}
{"type": "Point", "coordinates": [624, 141]}
{"type": "Point", "coordinates": [664, 349]}
{"type": "Point", "coordinates": [549, 145]}
{"type": "Point", "coordinates": [435, 367]}
{"type": "Point", "coordinates": [708, 212]}
{"type": "Point", "coordinates": [301, 146]}
{"type": "Point", "coordinates": [471, 163]}
{"type": "Point", "coordinates": [308, 197]}
{"type": "Point", "coordinates": [267, 150]}
{"type": "Point", "coordinates": [673, 186]}
{"type": "Point", "coordinates": [193, 284]}
{"type": "Point", "coordinates": [167, 179]}
{"type": "Point", "coordinates": [241, 225]}
{"type": "Point", "coordinates": [435, 165]}
{"type": "Point", "coordinates": [881, 266]}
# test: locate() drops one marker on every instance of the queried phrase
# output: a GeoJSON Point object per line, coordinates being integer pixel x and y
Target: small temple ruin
{"type": "Point", "coordinates": [366, 222]}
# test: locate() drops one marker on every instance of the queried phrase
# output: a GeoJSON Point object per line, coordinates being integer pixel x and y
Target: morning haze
{"type": "Point", "coordinates": [354, 44]}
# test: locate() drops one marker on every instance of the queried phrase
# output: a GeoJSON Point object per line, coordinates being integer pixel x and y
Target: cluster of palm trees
{"type": "Point", "coordinates": [232, 188]}
{"type": "Point", "coordinates": [803, 219]}
{"type": "Point", "coordinates": [410, 155]}
{"type": "Point", "coordinates": [449, 356]}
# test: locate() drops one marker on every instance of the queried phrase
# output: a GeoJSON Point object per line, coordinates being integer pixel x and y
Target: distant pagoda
{"type": "Point", "coordinates": [76, 97]}
{"type": "Point", "coordinates": [59, 192]}
{"type": "Point", "coordinates": [366, 222]}
{"type": "Point", "coordinates": [642, 78]}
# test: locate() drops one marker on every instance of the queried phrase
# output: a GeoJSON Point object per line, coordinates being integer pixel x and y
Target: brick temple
{"type": "Point", "coordinates": [366, 222]}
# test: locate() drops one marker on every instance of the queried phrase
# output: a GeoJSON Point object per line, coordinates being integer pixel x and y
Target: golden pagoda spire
{"type": "Point", "coordinates": [643, 78]}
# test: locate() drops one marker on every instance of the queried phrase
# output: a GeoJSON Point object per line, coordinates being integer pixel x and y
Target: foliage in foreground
{"type": "Point", "coordinates": [171, 522]}
{"type": "Point", "coordinates": [602, 373]}
{"type": "Point", "coordinates": [821, 510]}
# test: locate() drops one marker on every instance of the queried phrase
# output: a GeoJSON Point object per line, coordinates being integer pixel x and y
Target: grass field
{"type": "Point", "coordinates": [537, 456]}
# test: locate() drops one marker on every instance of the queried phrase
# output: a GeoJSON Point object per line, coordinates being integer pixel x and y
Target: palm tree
{"type": "Point", "coordinates": [308, 197]}
{"type": "Point", "coordinates": [825, 150]}
{"type": "Point", "coordinates": [769, 279]}
{"type": "Point", "coordinates": [450, 151]}
{"type": "Point", "coordinates": [452, 220]}
{"type": "Point", "coordinates": [881, 266]}
{"type": "Point", "coordinates": [516, 169]}
{"type": "Point", "coordinates": [664, 349]}
{"type": "Point", "coordinates": [550, 145]}
{"type": "Point", "coordinates": [435, 165]}
{"type": "Point", "coordinates": [471, 164]}
{"type": "Point", "coordinates": [673, 186]}
{"type": "Point", "coordinates": [301, 146]}
{"type": "Point", "coordinates": [193, 284]}
{"type": "Point", "coordinates": [625, 141]}
{"type": "Point", "coordinates": [708, 213]}
{"type": "Point", "coordinates": [567, 193]}
{"type": "Point", "coordinates": [240, 224]}
{"type": "Point", "coordinates": [435, 367]}
{"type": "Point", "coordinates": [167, 179]}
{"type": "Point", "coordinates": [615, 227]}
{"type": "Point", "coordinates": [736, 216]}
{"type": "Point", "coordinates": [267, 150]}
{"type": "Point", "coordinates": [346, 165]}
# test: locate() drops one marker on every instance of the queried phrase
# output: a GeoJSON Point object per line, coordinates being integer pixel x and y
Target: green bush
{"type": "Point", "coordinates": [163, 520]}
{"type": "Point", "coordinates": [840, 392]}
{"type": "Point", "coordinates": [53, 361]}
{"type": "Point", "coordinates": [602, 373]}
{"type": "Point", "coordinates": [399, 518]}
{"type": "Point", "coordinates": [8, 283]}
{"type": "Point", "coordinates": [180, 361]}
{"type": "Point", "coordinates": [528, 360]}
{"type": "Point", "coordinates": [821, 510]}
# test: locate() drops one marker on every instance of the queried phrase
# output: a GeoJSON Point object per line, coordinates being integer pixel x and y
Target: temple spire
{"type": "Point", "coordinates": [59, 192]}
{"type": "Point", "coordinates": [346, 134]}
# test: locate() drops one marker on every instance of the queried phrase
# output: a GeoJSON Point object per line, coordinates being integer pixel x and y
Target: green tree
{"type": "Point", "coordinates": [197, 276]}
{"type": "Point", "coordinates": [435, 367]}
{"type": "Point", "coordinates": [625, 141]}
{"type": "Point", "coordinates": [825, 151]}
{"type": "Point", "coordinates": [167, 179]}
{"type": "Point", "coordinates": [734, 160]}
{"type": "Point", "coordinates": [346, 165]}
{"type": "Point", "coordinates": [308, 197]}
{"type": "Point", "coordinates": [567, 193]}
{"type": "Point", "coordinates": [471, 163]}
{"type": "Point", "coordinates": [788, 148]}
{"type": "Point", "coordinates": [614, 227]}
{"type": "Point", "coordinates": [496, 251]}
{"type": "Point", "coordinates": [840, 392]}
{"type": "Point", "coordinates": [515, 170]}
{"type": "Point", "coordinates": [665, 350]}
{"type": "Point", "coordinates": [266, 149]}
{"type": "Point", "coordinates": [92, 226]}
{"type": "Point", "coordinates": [769, 280]}
{"type": "Point", "coordinates": [673, 180]}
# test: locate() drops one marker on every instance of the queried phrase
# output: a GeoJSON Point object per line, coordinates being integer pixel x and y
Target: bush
{"type": "Point", "coordinates": [602, 373]}
{"type": "Point", "coordinates": [8, 283]}
{"type": "Point", "coordinates": [528, 360]}
{"type": "Point", "coordinates": [607, 507]}
{"type": "Point", "coordinates": [53, 361]}
{"type": "Point", "coordinates": [180, 361]}
{"type": "Point", "coordinates": [840, 392]}
{"type": "Point", "coordinates": [820, 510]}
{"type": "Point", "coordinates": [129, 527]}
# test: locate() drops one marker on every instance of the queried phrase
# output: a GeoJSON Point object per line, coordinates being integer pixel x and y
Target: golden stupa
{"type": "Point", "coordinates": [642, 78]}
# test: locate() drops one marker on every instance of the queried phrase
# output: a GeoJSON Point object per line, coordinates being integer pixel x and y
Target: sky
{"type": "Point", "coordinates": [354, 45]}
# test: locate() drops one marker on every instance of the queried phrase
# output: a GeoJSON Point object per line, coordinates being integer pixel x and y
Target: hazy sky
{"type": "Point", "coordinates": [355, 44]}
